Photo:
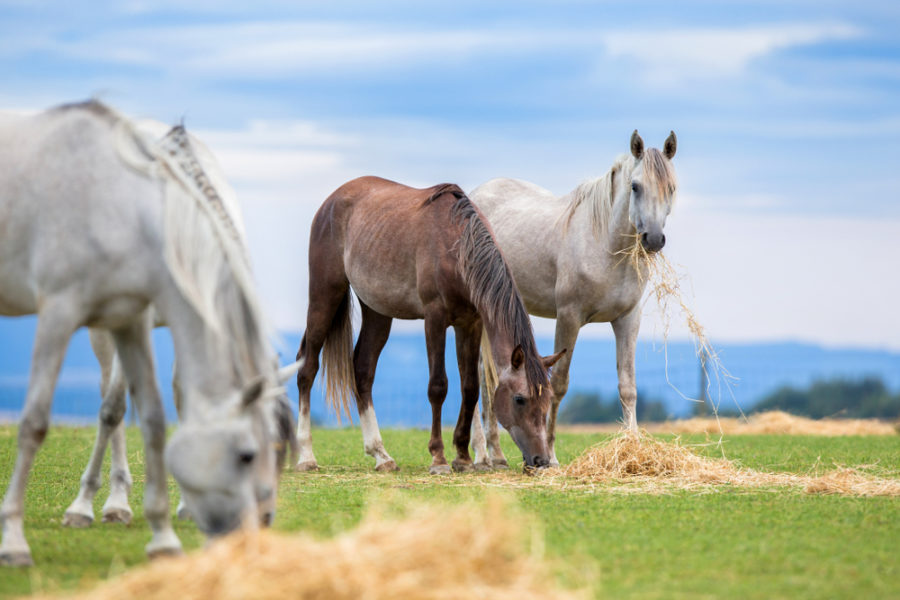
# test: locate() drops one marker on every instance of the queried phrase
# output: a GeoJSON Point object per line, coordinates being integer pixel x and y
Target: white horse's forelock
{"type": "Point", "coordinates": [204, 248]}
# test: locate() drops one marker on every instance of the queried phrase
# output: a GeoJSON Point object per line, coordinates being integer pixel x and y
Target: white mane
{"type": "Point", "coordinates": [204, 249]}
{"type": "Point", "coordinates": [599, 196]}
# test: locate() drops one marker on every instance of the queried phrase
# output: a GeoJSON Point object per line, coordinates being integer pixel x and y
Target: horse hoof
{"type": "Point", "coordinates": [77, 520]}
{"type": "Point", "coordinates": [483, 466]}
{"type": "Point", "coordinates": [183, 514]}
{"type": "Point", "coordinates": [166, 552]}
{"type": "Point", "coordinates": [460, 466]}
{"type": "Point", "coordinates": [117, 515]}
{"type": "Point", "coordinates": [387, 466]}
{"type": "Point", "coordinates": [309, 465]}
{"type": "Point", "coordinates": [499, 463]}
{"type": "Point", "coordinates": [16, 559]}
{"type": "Point", "coordinates": [439, 469]}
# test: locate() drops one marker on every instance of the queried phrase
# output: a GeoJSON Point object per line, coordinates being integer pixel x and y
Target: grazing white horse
{"type": "Point", "coordinates": [98, 224]}
{"type": "Point", "coordinates": [579, 271]}
{"type": "Point", "coordinates": [113, 384]}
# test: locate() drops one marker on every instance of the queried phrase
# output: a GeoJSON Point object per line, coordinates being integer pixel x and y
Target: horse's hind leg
{"type": "Point", "coordinates": [135, 352]}
{"type": "Point", "coordinates": [626, 329]}
{"type": "Point", "coordinates": [373, 335]}
{"type": "Point", "coordinates": [112, 388]}
{"type": "Point", "coordinates": [56, 324]}
{"type": "Point", "coordinates": [495, 454]}
{"type": "Point", "coordinates": [327, 293]}
{"type": "Point", "coordinates": [435, 342]}
{"type": "Point", "coordinates": [467, 352]}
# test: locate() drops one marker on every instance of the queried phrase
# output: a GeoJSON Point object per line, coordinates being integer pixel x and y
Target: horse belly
{"type": "Point", "coordinates": [389, 291]}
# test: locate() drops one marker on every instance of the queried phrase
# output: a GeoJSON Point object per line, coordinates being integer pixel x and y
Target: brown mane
{"type": "Point", "coordinates": [492, 286]}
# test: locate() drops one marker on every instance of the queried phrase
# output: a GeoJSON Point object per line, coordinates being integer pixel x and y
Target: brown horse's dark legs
{"type": "Point", "coordinates": [468, 340]}
{"type": "Point", "coordinates": [372, 337]}
{"type": "Point", "coordinates": [324, 301]}
{"type": "Point", "coordinates": [435, 342]}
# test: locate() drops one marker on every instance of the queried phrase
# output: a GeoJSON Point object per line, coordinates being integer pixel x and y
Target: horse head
{"type": "Point", "coordinates": [653, 188]}
{"type": "Point", "coordinates": [227, 456]}
{"type": "Point", "coordinates": [522, 410]}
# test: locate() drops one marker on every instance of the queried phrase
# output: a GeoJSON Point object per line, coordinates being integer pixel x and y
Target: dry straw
{"type": "Point", "coordinates": [465, 551]}
{"type": "Point", "coordinates": [665, 287]}
{"type": "Point", "coordinates": [656, 466]}
{"type": "Point", "coordinates": [778, 422]}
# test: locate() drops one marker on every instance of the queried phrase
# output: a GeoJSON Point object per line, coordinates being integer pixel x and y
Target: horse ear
{"type": "Point", "coordinates": [253, 391]}
{"type": "Point", "coordinates": [288, 371]}
{"type": "Point", "coordinates": [670, 145]}
{"type": "Point", "coordinates": [518, 358]}
{"type": "Point", "coordinates": [637, 145]}
{"type": "Point", "coordinates": [551, 360]}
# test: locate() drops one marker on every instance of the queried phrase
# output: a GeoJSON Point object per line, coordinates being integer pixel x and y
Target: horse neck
{"type": "Point", "coordinates": [203, 366]}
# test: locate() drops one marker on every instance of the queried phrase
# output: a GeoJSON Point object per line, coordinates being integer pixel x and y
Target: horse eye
{"type": "Point", "coordinates": [635, 187]}
{"type": "Point", "coordinates": [245, 457]}
{"type": "Point", "coordinates": [520, 399]}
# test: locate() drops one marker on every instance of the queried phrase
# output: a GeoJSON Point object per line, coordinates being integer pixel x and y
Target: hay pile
{"type": "Point", "coordinates": [463, 551]}
{"type": "Point", "coordinates": [652, 465]}
{"type": "Point", "coordinates": [781, 423]}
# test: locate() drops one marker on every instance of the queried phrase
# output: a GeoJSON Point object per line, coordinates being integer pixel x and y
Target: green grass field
{"type": "Point", "coordinates": [730, 543]}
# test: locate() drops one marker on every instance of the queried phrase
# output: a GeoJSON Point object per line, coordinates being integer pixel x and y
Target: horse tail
{"type": "Point", "coordinates": [337, 358]}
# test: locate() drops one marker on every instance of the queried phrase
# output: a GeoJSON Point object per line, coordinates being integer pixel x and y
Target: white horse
{"type": "Point", "coordinates": [578, 272]}
{"type": "Point", "coordinates": [113, 384]}
{"type": "Point", "coordinates": [98, 224]}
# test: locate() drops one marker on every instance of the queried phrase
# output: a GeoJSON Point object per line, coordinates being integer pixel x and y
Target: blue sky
{"type": "Point", "coordinates": [787, 114]}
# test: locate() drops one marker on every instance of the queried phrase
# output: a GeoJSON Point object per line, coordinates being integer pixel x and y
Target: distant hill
{"type": "Point", "coordinates": [402, 377]}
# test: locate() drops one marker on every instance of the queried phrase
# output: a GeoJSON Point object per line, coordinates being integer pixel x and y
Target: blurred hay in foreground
{"type": "Point", "coordinates": [456, 552]}
{"type": "Point", "coordinates": [780, 423]}
{"type": "Point", "coordinates": [657, 465]}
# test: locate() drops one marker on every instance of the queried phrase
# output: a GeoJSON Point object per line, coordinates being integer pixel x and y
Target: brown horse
{"type": "Point", "coordinates": [418, 254]}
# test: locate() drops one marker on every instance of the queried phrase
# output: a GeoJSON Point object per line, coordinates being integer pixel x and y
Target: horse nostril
{"type": "Point", "coordinates": [662, 240]}
{"type": "Point", "coordinates": [540, 462]}
{"type": "Point", "coordinates": [644, 238]}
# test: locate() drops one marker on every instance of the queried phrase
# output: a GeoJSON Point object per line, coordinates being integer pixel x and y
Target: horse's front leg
{"type": "Point", "coordinates": [56, 324]}
{"type": "Point", "coordinates": [136, 354]}
{"type": "Point", "coordinates": [626, 329]}
{"type": "Point", "coordinates": [435, 343]}
{"type": "Point", "coordinates": [467, 352]}
{"type": "Point", "coordinates": [568, 323]}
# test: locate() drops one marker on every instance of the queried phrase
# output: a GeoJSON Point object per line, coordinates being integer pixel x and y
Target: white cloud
{"type": "Point", "coordinates": [265, 49]}
{"type": "Point", "coordinates": [675, 56]}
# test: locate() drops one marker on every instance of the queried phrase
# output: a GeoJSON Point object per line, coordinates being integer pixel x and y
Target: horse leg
{"type": "Point", "coordinates": [373, 335]}
{"type": "Point", "coordinates": [181, 512]}
{"type": "Point", "coordinates": [435, 342]}
{"type": "Point", "coordinates": [497, 459]}
{"type": "Point", "coordinates": [479, 442]}
{"type": "Point", "coordinates": [110, 426]}
{"type": "Point", "coordinates": [467, 353]}
{"type": "Point", "coordinates": [135, 352]}
{"type": "Point", "coordinates": [56, 324]}
{"type": "Point", "coordinates": [626, 329]}
{"type": "Point", "coordinates": [325, 298]}
{"type": "Point", "coordinates": [567, 327]}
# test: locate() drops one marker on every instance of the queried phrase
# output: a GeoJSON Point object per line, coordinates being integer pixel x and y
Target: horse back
{"type": "Point", "coordinates": [393, 243]}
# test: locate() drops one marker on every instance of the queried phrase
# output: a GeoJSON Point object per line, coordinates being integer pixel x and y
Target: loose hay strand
{"type": "Point", "coordinates": [666, 285]}
{"type": "Point", "coordinates": [778, 422]}
{"type": "Point", "coordinates": [465, 551]}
